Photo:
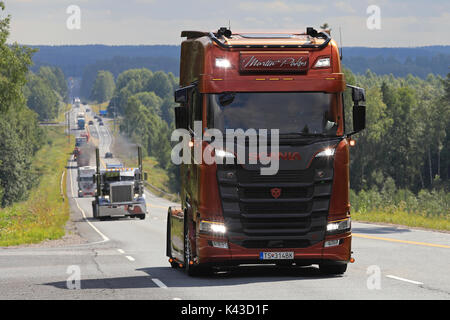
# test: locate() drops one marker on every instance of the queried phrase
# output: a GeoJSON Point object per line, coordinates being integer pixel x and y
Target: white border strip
{"type": "Point", "coordinates": [403, 279]}
{"type": "Point", "coordinates": [105, 238]}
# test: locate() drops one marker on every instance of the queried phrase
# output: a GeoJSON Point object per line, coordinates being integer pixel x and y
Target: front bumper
{"type": "Point", "coordinates": [235, 255]}
{"type": "Point", "coordinates": [121, 210]}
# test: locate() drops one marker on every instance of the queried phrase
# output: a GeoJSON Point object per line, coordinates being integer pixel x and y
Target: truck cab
{"type": "Point", "coordinates": [284, 86]}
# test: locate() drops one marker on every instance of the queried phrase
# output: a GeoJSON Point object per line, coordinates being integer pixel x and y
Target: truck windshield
{"type": "Point", "coordinates": [304, 113]}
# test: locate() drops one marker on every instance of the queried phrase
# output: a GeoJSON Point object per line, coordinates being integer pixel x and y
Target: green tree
{"type": "Point", "coordinates": [20, 134]}
{"type": "Point", "coordinates": [103, 87]}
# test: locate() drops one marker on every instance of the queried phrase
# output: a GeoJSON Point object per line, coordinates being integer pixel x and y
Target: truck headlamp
{"type": "Point", "coordinates": [223, 63]}
{"type": "Point", "coordinates": [322, 63]}
{"type": "Point", "coordinates": [339, 226]}
{"type": "Point", "coordinates": [328, 152]}
{"type": "Point", "coordinates": [222, 155]}
{"type": "Point", "coordinates": [211, 227]}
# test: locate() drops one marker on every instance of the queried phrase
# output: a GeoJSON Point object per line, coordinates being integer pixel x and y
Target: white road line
{"type": "Point", "coordinates": [105, 238]}
{"type": "Point", "coordinates": [403, 279]}
{"type": "Point", "coordinates": [130, 258]}
{"type": "Point", "coordinates": [120, 251]}
{"type": "Point", "coordinates": [159, 283]}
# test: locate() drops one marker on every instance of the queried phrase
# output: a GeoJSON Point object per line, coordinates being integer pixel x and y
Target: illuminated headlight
{"type": "Point", "coordinates": [322, 63]}
{"type": "Point", "coordinates": [107, 198]}
{"type": "Point", "coordinates": [222, 63]}
{"type": "Point", "coordinates": [222, 154]}
{"type": "Point", "coordinates": [326, 153]}
{"type": "Point", "coordinates": [339, 226]}
{"type": "Point", "coordinates": [212, 227]}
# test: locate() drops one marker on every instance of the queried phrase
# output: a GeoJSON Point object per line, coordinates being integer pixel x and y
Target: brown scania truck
{"type": "Point", "coordinates": [232, 214]}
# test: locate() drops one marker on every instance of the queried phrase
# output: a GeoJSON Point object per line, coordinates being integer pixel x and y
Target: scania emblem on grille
{"type": "Point", "coordinates": [276, 192]}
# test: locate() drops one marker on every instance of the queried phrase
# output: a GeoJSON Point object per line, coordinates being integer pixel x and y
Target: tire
{"type": "Point", "coordinates": [331, 269]}
{"type": "Point", "coordinates": [141, 216]}
{"type": "Point", "coordinates": [192, 270]}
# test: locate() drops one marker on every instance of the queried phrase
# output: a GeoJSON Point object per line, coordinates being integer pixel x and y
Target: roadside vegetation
{"type": "Point", "coordinates": [44, 214]}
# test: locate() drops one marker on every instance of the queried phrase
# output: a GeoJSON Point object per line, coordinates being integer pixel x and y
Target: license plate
{"type": "Point", "coordinates": [285, 255]}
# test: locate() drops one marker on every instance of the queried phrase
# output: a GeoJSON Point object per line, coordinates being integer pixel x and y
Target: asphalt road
{"type": "Point", "coordinates": [125, 259]}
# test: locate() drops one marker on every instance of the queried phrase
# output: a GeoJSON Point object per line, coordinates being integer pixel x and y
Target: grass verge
{"type": "Point", "coordinates": [44, 215]}
{"type": "Point", "coordinates": [401, 217]}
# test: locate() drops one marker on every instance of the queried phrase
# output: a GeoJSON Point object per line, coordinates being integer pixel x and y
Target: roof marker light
{"type": "Point", "coordinates": [222, 63]}
{"type": "Point", "coordinates": [322, 63]}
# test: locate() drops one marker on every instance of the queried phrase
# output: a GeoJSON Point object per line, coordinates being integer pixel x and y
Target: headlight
{"type": "Point", "coordinates": [339, 226]}
{"type": "Point", "coordinates": [222, 63]}
{"type": "Point", "coordinates": [222, 154]}
{"type": "Point", "coordinates": [211, 227]}
{"type": "Point", "coordinates": [322, 63]}
{"type": "Point", "coordinates": [326, 153]}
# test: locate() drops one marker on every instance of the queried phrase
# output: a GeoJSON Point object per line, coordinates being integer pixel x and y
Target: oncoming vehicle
{"type": "Point", "coordinates": [120, 191]}
{"type": "Point", "coordinates": [230, 213]}
{"type": "Point", "coordinates": [108, 155]}
{"type": "Point", "coordinates": [86, 185]}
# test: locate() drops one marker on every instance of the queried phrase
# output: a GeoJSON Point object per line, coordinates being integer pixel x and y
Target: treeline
{"type": "Point", "coordinates": [145, 100]}
{"type": "Point", "coordinates": [419, 66]}
{"type": "Point", "coordinates": [402, 159]}
{"type": "Point", "coordinates": [24, 99]}
{"type": "Point", "coordinates": [72, 59]}
{"type": "Point", "coordinates": [406, 136]}
{"type": "Point", "coordinates": [118, 65]}
{"type": "Point", "coordinates": [20, 134]}
{"type": "Point", "coordinates": [45, 90]}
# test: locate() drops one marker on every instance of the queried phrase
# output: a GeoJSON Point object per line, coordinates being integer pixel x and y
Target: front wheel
{"type": "Point", "coordinates": [192, 270]}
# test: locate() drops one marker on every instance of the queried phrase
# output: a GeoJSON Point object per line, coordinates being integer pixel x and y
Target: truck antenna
{"type": "Point", "coordinates": [340, 40]}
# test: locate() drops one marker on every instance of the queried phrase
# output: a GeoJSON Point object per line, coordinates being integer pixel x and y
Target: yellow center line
{"type": "Point", "coordinates": [359, 235]}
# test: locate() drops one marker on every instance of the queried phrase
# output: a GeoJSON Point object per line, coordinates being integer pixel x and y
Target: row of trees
{"type": "Point", "coordinates": [145, 100]}
{"type": "Point", "coordinates": [119, 64]}
{"type": "Point", "coordinates": [407, 132]}
{"type": "Point", "coordinates": [45, 90]}
{"type": "Point", "coordinates": [20, 134]}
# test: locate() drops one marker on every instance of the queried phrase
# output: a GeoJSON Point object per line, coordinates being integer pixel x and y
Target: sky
{"type": "Point", "coordinates": [381, 23]}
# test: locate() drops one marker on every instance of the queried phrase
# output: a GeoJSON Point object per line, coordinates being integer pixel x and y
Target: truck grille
{"type": "Point", "coordinates": [294, 218]}
{"type": "Point", "coordinates": [121, 193]}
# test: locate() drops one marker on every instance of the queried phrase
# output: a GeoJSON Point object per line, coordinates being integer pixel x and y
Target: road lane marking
{"type": "Point", "coordinates": [105, 238]}
{"type": "Point", "coordinates": [360, 235]}
{"type": "Point", "coordinates": [120, 251]}
{"type": "Point", "coordinates": [130, 258]}
{"type": "Point", "coordinates": [403, 279]}
{"type": "Point", "coordinates": [159, 283]}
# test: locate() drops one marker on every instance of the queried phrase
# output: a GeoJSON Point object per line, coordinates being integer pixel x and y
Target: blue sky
{"type": "Point", "coordinates": [404, 23]}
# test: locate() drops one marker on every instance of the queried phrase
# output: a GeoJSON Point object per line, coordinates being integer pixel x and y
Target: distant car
{"type": "Point", "coordinates": [91, 122]}
{"type": "Point", "coordinates": [88, 110]}
{"type": "Point", "coordinates": [108, 155]}
{"type": "Point", "coordinates": [100, 123]}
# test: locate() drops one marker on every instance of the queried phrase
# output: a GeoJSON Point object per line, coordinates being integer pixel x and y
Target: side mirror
{"type": "Point", "coordinates": [359, 118]}
{"type": "Point", "coordinates": [181, 95]}
{"type": "Point", "coordinates": [359, 111]}
{"type": "Point", "coordinates": [181, 118]}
